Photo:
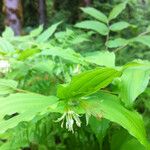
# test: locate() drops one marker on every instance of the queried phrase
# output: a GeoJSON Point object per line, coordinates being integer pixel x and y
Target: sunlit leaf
{"type": "Point", "coordinates": [87, 83]}
{"type": "Point", "coordinates": [36, 31]}
{"type": "Point", "coordinates": [7, 86]}
{"type": "Point", "coordinates": [5, 46]}
{"type": "Point", "coordinates": [107, 106]}
{"type": "Point", "coordinates": [27, 53]}
{"type": "Point", "coordinates": [119, 26]}
{"type": "Point", "coordinates": [8, 33]}
{"type": "Point", "coordinates": [44, 36]}
{"type": "Point", "coordinates": [118, 42]}
{"type": "Point", "coordinates": [96, 26]}
{"type": "Point", "coordinates": [99, 128]}
{"type": "Point", "coordinates": [117, 10]}
{"type": "Point", "coordinates": [133, 82]}
{"type": "Point", "coordinates": [148, 29]}
{"type": "Point", "coordinates": [44, 66]}
{"type": "Point", "coordinates": [145, 39]}
{"type": "Point", "coordinates": [122, 140]}
{"type": "Point", "coordinates": [95, 13]}
{"type": "Point", "coordinates": [67, 54]}
{"type": "Point", "coordinates": [102, 58]}
{"type": "Point", "coordinates": [25, 106]}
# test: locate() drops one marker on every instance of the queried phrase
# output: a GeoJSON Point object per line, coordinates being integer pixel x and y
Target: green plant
{"type": "Point", "coordinates": [47, 81]}
{"type": "Point", "coordinates": [105, 26]}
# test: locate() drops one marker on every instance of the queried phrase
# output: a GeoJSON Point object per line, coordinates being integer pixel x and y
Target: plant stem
{"type": "Point", "coordinates": [107, 37]}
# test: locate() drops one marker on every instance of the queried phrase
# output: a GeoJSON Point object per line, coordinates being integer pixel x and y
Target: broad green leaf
{"type": "Point", "coordinates": [27, 106]}
{"type": "Point", "coordinates": [95, 13]}
{"type": "Point", "coordinates": [25, 38]}
{"type": "Point", "coordinates": [118, 138]}
{"type": "Point", "coordinates": [107, 106]}
{"type": "Point", "coordinates": [60, 36]}
{"type": "Point", "coordinates": [133, 144]}
{"type": "Point", "coordinates": [133, 82]}
{"type": "Point", "coordinates": [123, 141]}
{"type": "Point", "coordinates": [117, 10]}
{"type": "Point", "coordinates": [119, 42]}
{"type": "Point", "coordinates": [145, 39]}
{"type": "Point", "coordinates": [44, 66]}
{"type": "Point", "coordinates": [5, 146]}
{"type": "Point", "coordinates": [99, 128]}
{"type": "Point", "coordinates": [102, 58]}
{"type": "Point", "coordinates": [7, 86]}
{"type": "Point", "coordinates": [148, 29]}
{"type": "Point", "coordinates": [67, 54]}
{"type": "Point", "coordinates": [43, 37]}
{"type": "Point", "coordinates": [134, 63]}
{"type": "Point", "coordinates": [71, 37]}
{"type": "Point", "coordinates": [23, 42]}
{"type": "Point", "coordinates": [36, 31]}
{"type": "Point", "coordinates": [96, 26]}
{"type": "Point", "coordinates": [8, 33]}
{"type": "Point", "coordinates": [28, 53]}
{"type": "Point", "coordinates": [35, 131]}
{"type": "Point", "coordinates": [87, 83]}
{"type": "Point", "coordinates": [18, 70]}
{"type": "Point", "coordinates": [146, 101]}
{"type": "Point", "coordinates": [79, 40]}
{"type": "Point", "coordinates": [119, 26]}
{"type": "Point", "coordinates": [5, 46]}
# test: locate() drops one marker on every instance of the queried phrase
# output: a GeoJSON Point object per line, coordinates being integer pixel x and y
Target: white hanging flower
{"type": "Point", "coordinates": [4, 66]}
{"type": "Point", "coordinates": [70, 117]}
{"type": "Point", "coordinates": [77, 69]}
{"type": "Point", "coordinates": [87, 117]}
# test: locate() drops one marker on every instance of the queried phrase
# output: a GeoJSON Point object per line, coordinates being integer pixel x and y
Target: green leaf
{"type": "Point", "coordinates": [145, 39]}
{"type": "Point", "coordinates": [102, 58]}
{"type": "Point", "coordinates": [43, 37]}
{"type": "Point", "coordinates": [99, 128]}
{"type": "Point", "coordinates": [31, 132]}
{"type": "Point", "coordinates": [123, 141]}
{"type": "Point", "coordinates": [7, 86]}
{"type": "Point", "coordinates": [36, 31]}
{"type": "Point", "coordinates": [119, 42]}
{"type": "Point", "coordinates": [132, 144]}
{"type": "Point", "coordinates": [28, 53]}
{"type": "Point", "coordinates": [87, 83]}
{"type": "Point", "coordinates": [44, 66]}
{"type": "Point", "coordinates": [96, 26]}
{"type": "Point", "coordinates": [95, 13]}
{"type": "Point", "coordinates": [119, 26]}
{"type": "Point", "coordinates": [25, 106]}
{"type": "Point", "coordinates": [8, 33]}
{"type": "Point", "coordinates": [117, 10]}
{"type": "Point", "coordinates": [148, 29]}
{"type": "Point", "coordinates": [5, 46]}
{"type": "Point", "coordinates": [108, 106]}
{"type": "Point", "coordinates": [18, 70]}
{"type": "Point", "coordinates": [67, 54]}
{"type": "Point", "coordinates": [71, 37]}
{"type": "Point", "coordinates": [147, 102]}
{"type": "Point", "coordinates": [133, 82]}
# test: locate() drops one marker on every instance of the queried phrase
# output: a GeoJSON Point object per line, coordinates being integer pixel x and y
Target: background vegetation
{"type": "Point", "coordinates": [57, 47]}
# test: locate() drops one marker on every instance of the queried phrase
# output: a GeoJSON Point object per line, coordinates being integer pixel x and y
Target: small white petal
{"type": "Point", "coordinates": [61, 118]}
{"type": "Point", "coordinates": [77, 119]}
{"type": "Point", "coordinates": [62, 124]}
{"type": "Point", "coordinates": [87, 117]}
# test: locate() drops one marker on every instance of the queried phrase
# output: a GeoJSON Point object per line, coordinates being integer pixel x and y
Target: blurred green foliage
{"type": "Point", "coordinates": [41, 60]}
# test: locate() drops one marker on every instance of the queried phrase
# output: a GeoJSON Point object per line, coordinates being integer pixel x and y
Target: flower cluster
{"type": "Point", "coordinates": [4, 66]}
{"type": "Point", "coordinates": [70, 117]}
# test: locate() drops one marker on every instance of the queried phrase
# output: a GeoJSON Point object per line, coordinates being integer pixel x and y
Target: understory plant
{"type": "Point", "coordinates": [47, 86]}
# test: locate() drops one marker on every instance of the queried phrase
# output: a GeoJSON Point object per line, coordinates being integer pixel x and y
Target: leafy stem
{"type": "Point", "coordinates": [107, 37]}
